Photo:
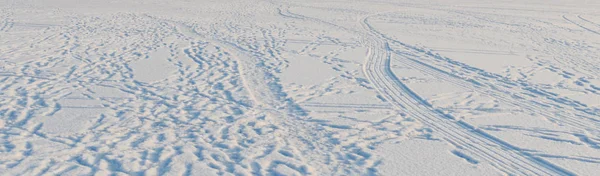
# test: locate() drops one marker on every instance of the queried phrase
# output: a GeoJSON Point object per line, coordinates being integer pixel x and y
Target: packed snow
{"type": "Point", "coordinates": [306, 87]}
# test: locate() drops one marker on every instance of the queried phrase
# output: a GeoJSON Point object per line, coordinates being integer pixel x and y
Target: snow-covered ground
{"type": "Point", "coordinates": [306, 87]}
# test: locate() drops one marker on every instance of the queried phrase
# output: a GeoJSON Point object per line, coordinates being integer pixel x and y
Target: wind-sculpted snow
{"type": "Point", "coordinates": [267, 87]}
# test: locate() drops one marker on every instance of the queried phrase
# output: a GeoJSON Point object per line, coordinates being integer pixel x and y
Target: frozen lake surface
{"type": "Point", "coordinates": [268, 87]}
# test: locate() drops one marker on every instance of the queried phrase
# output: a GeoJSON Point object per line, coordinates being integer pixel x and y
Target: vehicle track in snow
{"type": "Point", "coordinates": [559, 110]}
{"type": "Point", "coordinates": [480, 143]}
{"type": "Point", "coordinates": [498, 153]}
{"type": "Point", "coordinates": [543, 106]}
{"type": "Point", "coordinates": [580, 25]}
{"type": "Point", "coordinates": [73, 101]}
{"type": "Point", "coordinates": [587, 20]}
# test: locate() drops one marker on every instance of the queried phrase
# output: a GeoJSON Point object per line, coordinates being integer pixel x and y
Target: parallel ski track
{"type": "Point", "coordinates": [589, 21]}
{"type": "Point", "coordinates": [581, 123]}
{"type": "Point", "coordinates": [581, 26]}
{"type": "Point", "coordinates": [500, 154]}
{"type": "Point", "coordinates": [580, 119]}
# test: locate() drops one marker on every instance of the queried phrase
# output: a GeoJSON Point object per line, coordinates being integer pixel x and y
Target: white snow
{"type": "Point", "coordinates": [286, 87]}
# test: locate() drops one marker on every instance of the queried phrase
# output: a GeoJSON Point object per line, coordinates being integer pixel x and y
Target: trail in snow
{"type": "Point", "coordinates": [267, 87]}
{"type": "Point", "coordinates": [506, 157]}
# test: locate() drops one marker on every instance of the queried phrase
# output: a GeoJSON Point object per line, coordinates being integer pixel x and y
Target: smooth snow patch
{"type": "Point", "coordinates": [155, 68]}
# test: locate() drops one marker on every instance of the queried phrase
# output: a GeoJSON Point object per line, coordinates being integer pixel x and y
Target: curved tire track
{"type": "Point", "coordinates": [581, 26]}
{"type": "Point", "coordinates": [500, 154]}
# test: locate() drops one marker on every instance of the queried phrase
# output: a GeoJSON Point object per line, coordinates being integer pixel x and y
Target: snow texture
{"type": "Point", "coordinates": [313, 87]}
